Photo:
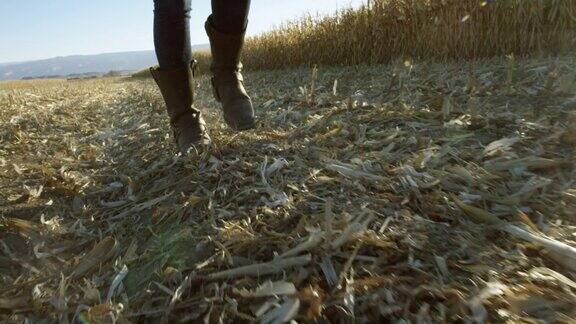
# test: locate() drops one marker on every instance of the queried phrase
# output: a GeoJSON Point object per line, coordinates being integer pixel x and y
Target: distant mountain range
{"type": "Point", "coordinates": [79, 65]}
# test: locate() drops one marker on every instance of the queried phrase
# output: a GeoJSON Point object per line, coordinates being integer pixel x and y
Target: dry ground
{"type": "Point", "coordinates": [358, 198]}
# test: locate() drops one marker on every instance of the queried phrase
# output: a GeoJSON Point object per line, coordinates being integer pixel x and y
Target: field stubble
{"type": "Point", "coordinates": [377, 192]}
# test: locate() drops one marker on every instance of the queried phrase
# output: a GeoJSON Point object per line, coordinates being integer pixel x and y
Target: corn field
{"type": "Point", "coordinates": [384, 30]}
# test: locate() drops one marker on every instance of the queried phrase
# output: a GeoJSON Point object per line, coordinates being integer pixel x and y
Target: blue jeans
{"type": "Point", "coordinates": [172, 27]}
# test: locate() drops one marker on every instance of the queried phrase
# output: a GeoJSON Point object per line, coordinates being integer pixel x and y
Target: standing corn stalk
{"type": "Point", "coordinates": [384, 30]}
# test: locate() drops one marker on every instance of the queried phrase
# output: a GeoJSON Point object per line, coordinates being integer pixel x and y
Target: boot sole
{"type": "Point", "coordinates": [241, 127]}
{"type": "Point", "coordinates": [196, 148]}
{"type": "Point", "coordinates": [244, 127]}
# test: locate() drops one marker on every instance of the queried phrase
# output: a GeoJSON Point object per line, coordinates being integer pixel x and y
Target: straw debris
{"type": "Point", "coordinates": [420, 192]}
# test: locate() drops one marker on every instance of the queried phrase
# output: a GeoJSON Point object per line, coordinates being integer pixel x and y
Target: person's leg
{"type": "Point", "coordinates": [230, 16]}
{"type": "Point", "coordinates": [174, 76]}
{"type": "Point", "coordinates": [172, 33]}
{"type": "Point", "coordinates": [226, 28]}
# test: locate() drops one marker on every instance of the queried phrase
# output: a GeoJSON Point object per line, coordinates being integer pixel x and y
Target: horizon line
{"type": "Point", "coordinates": [94, 54]}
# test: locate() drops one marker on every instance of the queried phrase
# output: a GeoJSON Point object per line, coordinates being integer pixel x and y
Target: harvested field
{"type": "Point", "coordinates": [416, 191]}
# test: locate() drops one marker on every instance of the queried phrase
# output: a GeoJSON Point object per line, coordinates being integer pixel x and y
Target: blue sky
{"type": "Point", "coordinates": [36, 29]}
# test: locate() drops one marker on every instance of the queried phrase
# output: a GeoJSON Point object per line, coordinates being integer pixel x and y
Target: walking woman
{"type": "Point", "coordinates": [225, 27]}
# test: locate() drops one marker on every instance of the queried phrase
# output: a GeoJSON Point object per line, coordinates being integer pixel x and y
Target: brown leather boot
{"type": "Point", "coordinates": [227, 81]}
{"type": "Point", "coordinates": [188, 126]}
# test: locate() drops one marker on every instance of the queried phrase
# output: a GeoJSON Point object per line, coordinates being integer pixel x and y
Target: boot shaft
{"type": "Point", "coordinates": [176, 86]}
{"type": "Point", "coordinates": [226, 50]}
